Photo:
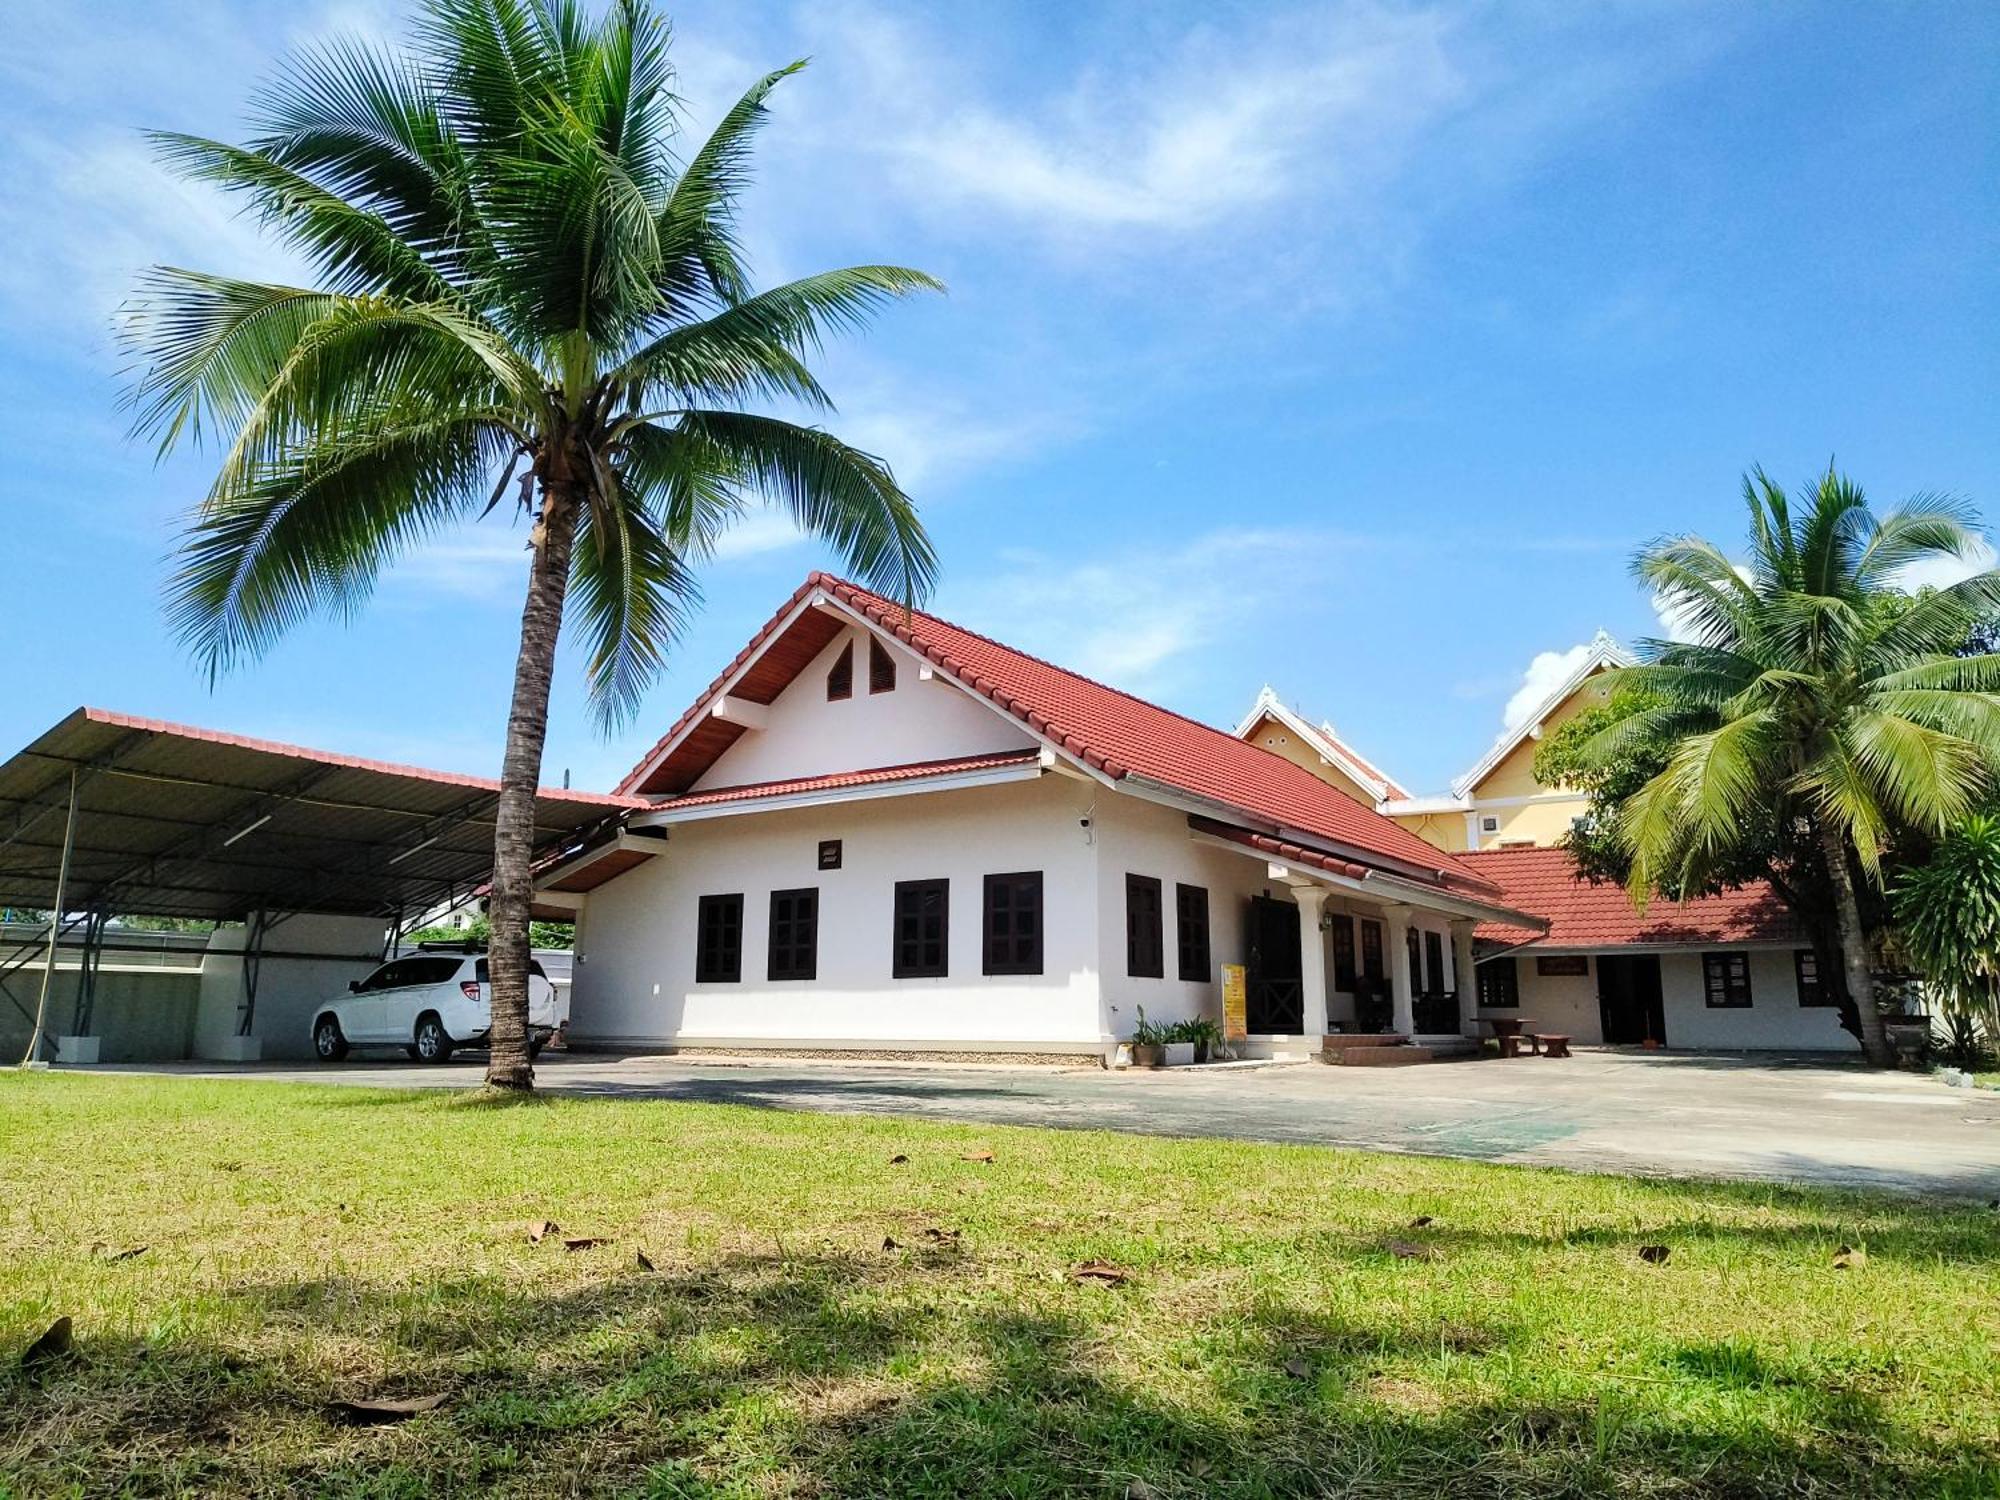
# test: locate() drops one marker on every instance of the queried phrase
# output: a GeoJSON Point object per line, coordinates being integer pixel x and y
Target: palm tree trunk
{"type": "Point", "coordinates": [508, 1065]}
{"type": "Point", "coordinates": [1854, 950]}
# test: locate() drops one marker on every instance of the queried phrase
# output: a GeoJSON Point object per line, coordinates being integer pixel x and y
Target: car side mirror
{"type": "Point", "coordinates": [353, 986]}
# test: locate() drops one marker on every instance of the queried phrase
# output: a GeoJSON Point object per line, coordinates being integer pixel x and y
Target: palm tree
{"type": "Point", "coordinates": [1812, 697]}
{"type": "Point", "coordinates": [520, 293]}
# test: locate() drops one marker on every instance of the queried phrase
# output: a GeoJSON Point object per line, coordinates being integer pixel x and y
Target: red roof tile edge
{"type": "Point", "coordinates": [1586, 916]}
{"type": "Point", "coordinates": [347, 762]}
{"type": "Point", "coordinates": [912, 771]}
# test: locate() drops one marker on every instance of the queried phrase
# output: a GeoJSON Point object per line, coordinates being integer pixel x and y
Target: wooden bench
{"type": "Point", "coordinates": [1551, 1044]}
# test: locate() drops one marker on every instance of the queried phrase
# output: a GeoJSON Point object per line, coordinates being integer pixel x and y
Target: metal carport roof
{"type": "Point", "coordinates": [183, 822]}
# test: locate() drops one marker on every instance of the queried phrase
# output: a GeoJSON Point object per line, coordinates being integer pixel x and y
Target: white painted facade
{"type": "Point", "coordinates": [1773, 1021]}
{"type": "Point", "coordinates": [635, 984]}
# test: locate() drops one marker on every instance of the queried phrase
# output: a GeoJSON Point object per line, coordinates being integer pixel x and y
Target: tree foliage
{"type": "Point", "coordinates": [1948, 922]}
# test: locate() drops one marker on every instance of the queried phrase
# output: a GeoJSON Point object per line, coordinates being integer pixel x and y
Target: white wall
{"type": "Point", "coordinates": [918, 721]}
{"type": "Point", "coordinates": [1774, 1019]}
{"type": "Point", "coordinates": [1143, 838]}
{"type": "Point", "coordinates": [634, 979]}
{"type": "Point", "coordinates": [290, 989]}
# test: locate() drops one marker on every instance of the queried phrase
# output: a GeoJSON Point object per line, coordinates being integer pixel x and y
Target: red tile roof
{"type": "Point", "coordinates": [1583, 915]}
{"type": "Point", "coordinates": [914, 771]}
{"type": "Point", "coordinates": [1117, 734]}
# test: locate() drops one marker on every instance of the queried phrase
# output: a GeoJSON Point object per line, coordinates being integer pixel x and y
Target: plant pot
{"type": "Point", "coordinates": [1201, 1052]}
{"type": "Point", "coordinates": [1179, 1054]}
{"type": "Point", "coordinates": [1148, 1055]}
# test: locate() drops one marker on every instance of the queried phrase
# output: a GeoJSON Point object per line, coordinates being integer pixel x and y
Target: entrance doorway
{"type": "Point", "coordinates": [1274, 993]}
{"type": "Point", "coordinates": [1628, 999]}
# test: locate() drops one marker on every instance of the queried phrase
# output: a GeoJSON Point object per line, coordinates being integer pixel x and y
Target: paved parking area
{"type": "Point", "coordinates": [1784, 1119]}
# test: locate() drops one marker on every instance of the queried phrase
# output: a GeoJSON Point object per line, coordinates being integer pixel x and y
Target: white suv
{"type": "Point", "coordinates": [427, 1004]}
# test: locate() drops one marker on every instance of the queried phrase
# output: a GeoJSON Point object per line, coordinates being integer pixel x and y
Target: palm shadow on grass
{"type": "Point", "coordinates": [857, 1375]}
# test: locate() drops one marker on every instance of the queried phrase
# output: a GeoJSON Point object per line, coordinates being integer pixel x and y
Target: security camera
{"type": "Point", "coordinates": [1083, 822]}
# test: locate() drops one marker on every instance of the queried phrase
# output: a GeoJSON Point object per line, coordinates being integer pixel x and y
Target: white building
{"type": "Point", "coordinates": [876, 831]}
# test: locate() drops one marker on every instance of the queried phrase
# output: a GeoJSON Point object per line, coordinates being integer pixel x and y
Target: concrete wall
{"type": "Point", "coordinates": [290, 989]}
{"type": "Point", "coordinates": [634, 978]}
{"type": "Point", "coordinates": [918, 721]}
{"type": "Point", "coordinates": [1774, 1019]}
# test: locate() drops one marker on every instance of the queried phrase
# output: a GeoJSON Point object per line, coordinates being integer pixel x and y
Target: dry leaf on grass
{"type": "Point", "coordinates": [398, 1409]}
{"type": "Point", "coordinates": [1422, 1221]}
{"type": "Point", "coordinates": [889, 1243]}
{"type": "Point", "coordinates": [1298, 1368]}
{"type": "Point", "coordinates": [645, 1261]}
{"type": "Point", "coordinates": [542, 1229]}
{"type": "Point", "coordinates": [1102, 1273]}
{"type": "Point", "coordinates": [898, 1159]}
{"type": "Point", "coordinates": [941, 1236]}
{"type": "Point", "coordinates": [54, 1344]}
{"type": "Point", "coordinates": [977, 1156]}
{"type": "Point", "coordinates": [1409, 1250]}
{"type": "Point", "coordinates": [1849, 1257]}
{"type": "Point", "coordinates": [584, 1242]}
{"type": "Point", "coordinates": [1654, 1255]}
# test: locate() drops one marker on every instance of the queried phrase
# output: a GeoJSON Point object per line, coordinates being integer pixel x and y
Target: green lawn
{"type": "Point", "coordinates": [310, 1244]}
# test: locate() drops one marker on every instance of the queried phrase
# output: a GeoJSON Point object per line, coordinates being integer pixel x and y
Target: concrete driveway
{"type": "Point", "coordinates": [1782, 1119]}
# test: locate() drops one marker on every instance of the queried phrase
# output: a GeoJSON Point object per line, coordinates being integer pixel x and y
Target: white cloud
{"type": "Point", "coordinates": [1547, 672]}
{"type": "Point", "coordinates": [1132, 622]}
{"type": "Point", "coordinates": [1943, 572]}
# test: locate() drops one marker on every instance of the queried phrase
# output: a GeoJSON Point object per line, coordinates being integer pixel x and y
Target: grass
{"type": "Point", "coordinates": [308, 1244]}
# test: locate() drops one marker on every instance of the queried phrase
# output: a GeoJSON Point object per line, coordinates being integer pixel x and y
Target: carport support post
{"type": "Point", "coordinates": [86, 980]}
{"type": "Point", "coordinates": [253, 965]}
{"type": "Point", "coordinates": [55, 925]}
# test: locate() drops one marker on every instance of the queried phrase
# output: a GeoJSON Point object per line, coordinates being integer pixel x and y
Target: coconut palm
{"type": "Point", "coordinates": [1813, 696]}
{"type": "Point", "coordinates": [521, 297]}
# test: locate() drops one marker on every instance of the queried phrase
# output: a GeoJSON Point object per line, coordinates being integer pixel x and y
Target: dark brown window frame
{"type": "Point", "coordinates": [901, 947]}
{"type": "Point", "coordinates": [1145, 933]}
{"type": "Point", "coordinates": [1374, 950]}
{"type": "Point", "coordinates": [1817, 986]}
{"type": "Point", "coordinates": [840, 676]}
{"type": "Point", "coordinates": [1722, 965]}
{"type": "Point", "coordinates": [791, 950]}
{"type": "Point", "coordinates": [1413, 948]}
{"type": "Point", "coordinates": [1194, 959]}
{"type": "Point", "coordinates": [1496, 993]}
{"type": "Point", "coordinates": [1346, 953]}
{"type": "Point", "coordinates": [881, 667]}
{"type": "Point", "coordinates": [1004, 947]}
{"type": "Point", "coordinates": [718, 924]}
{"type": "Point", "coordinates": [1434, 961]}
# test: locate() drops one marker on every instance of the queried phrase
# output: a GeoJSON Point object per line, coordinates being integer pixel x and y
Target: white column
{"type": "Point", "coordinates": [1312, 959]}
{"type": "Point", "coordinates": [1402, 986]}
{"type": "Point", "coordinates": [1465, 977]}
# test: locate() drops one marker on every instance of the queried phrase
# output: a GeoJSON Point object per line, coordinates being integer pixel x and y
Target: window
{"type": "Point", "coordinates": [840, 676]}
{"type": "Point", "coordinates": [1371, 951]}
{"type": "Point", "coordinates": [534, 967]}
{"type": "Point", "coordinates": [1434, 962]}
{"type": "Point", "coordinates": [1343, 953]}
{"type": "Point", "coordinates": [718, 940]}
{"type": "Point", "coordinates": [1013, 923]}
{"type": "Point", "coordinates": [1413, 945]}
{"type": "Point", "coordinates": [881, 668]}
{"type": "Point", "coordinates": [1726, 980]}
{"type": "Point", "coordinates": [1499, 984]}
{"type": "Point", "coordinates": [1143, 956]}
{"type": "Point", "coordinates": [794, 948]}
{"type": "Point", "coordinates": [1191, 932]}
{"type": "Point", "coordinates": [1805, 963]}
{"type": "Point", "coordinates": [922, 926]}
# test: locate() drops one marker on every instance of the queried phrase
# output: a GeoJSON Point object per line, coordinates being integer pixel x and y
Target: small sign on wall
{"type": "Point", "coordinates": [829, 854]}
{"type": "Point", "coordinates": [1235, 993]}
{"type": "Point", "coordinates": [1562, 965]}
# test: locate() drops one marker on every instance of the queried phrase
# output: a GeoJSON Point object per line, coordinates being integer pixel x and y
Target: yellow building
{"type": "Point", "coordinates": [1496, 804]}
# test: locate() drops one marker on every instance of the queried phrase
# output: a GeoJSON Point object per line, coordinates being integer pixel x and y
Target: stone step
{"type": "Point", "coordinates": [1342, 1041]}
{"type": "Point", "coordinates": [1378, 1057]}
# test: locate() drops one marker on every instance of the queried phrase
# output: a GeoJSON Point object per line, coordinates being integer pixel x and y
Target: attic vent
{"type": "Point", "coordinates": [840, 677]}
{"type": "Point", "coordinates": [881, 668]}
{"type": "Point", "coordinates": [1489, 824]}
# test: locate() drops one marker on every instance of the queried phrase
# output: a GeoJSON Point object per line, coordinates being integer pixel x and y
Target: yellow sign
{"type": "Point", "coordinates": [1235, 1017]}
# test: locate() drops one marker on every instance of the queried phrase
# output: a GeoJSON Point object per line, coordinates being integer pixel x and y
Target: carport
{"type": "Point", "coordinates": [110, 815]}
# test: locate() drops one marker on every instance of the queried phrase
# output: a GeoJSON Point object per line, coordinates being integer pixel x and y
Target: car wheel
{"type": "Point", "coordinates": [328, 1044]}
{"type": "Point", "coordinates": [432, 1041]}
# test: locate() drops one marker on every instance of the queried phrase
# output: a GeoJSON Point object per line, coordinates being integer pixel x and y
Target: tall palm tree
{"type": "Point", "coordinates": [1812, 697]}
{"type": "Point", "coordinates": [521, 293]}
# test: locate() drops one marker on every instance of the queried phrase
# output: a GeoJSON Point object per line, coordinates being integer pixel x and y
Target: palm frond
{"type": "Point", "coordinates": [633, 595]}
{"type": "Point", "coordinates": [696, 221]}
{"type": "Point", "coordinates": [837, 493]}
{"type": "Point", "coordinates": [1924, 526]}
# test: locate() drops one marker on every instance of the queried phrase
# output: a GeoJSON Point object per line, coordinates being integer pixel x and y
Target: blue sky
{"type": "Point", "coordinates": [1351, 348]}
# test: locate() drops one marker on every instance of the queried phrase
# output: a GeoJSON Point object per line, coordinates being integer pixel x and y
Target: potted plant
{"type": "Point", "coordinates": [1180, 1045]}
{"type": "Point", "coordinates": [1149, 1043]}
{"type": "Point", "coordinates": [1202, 1035]}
